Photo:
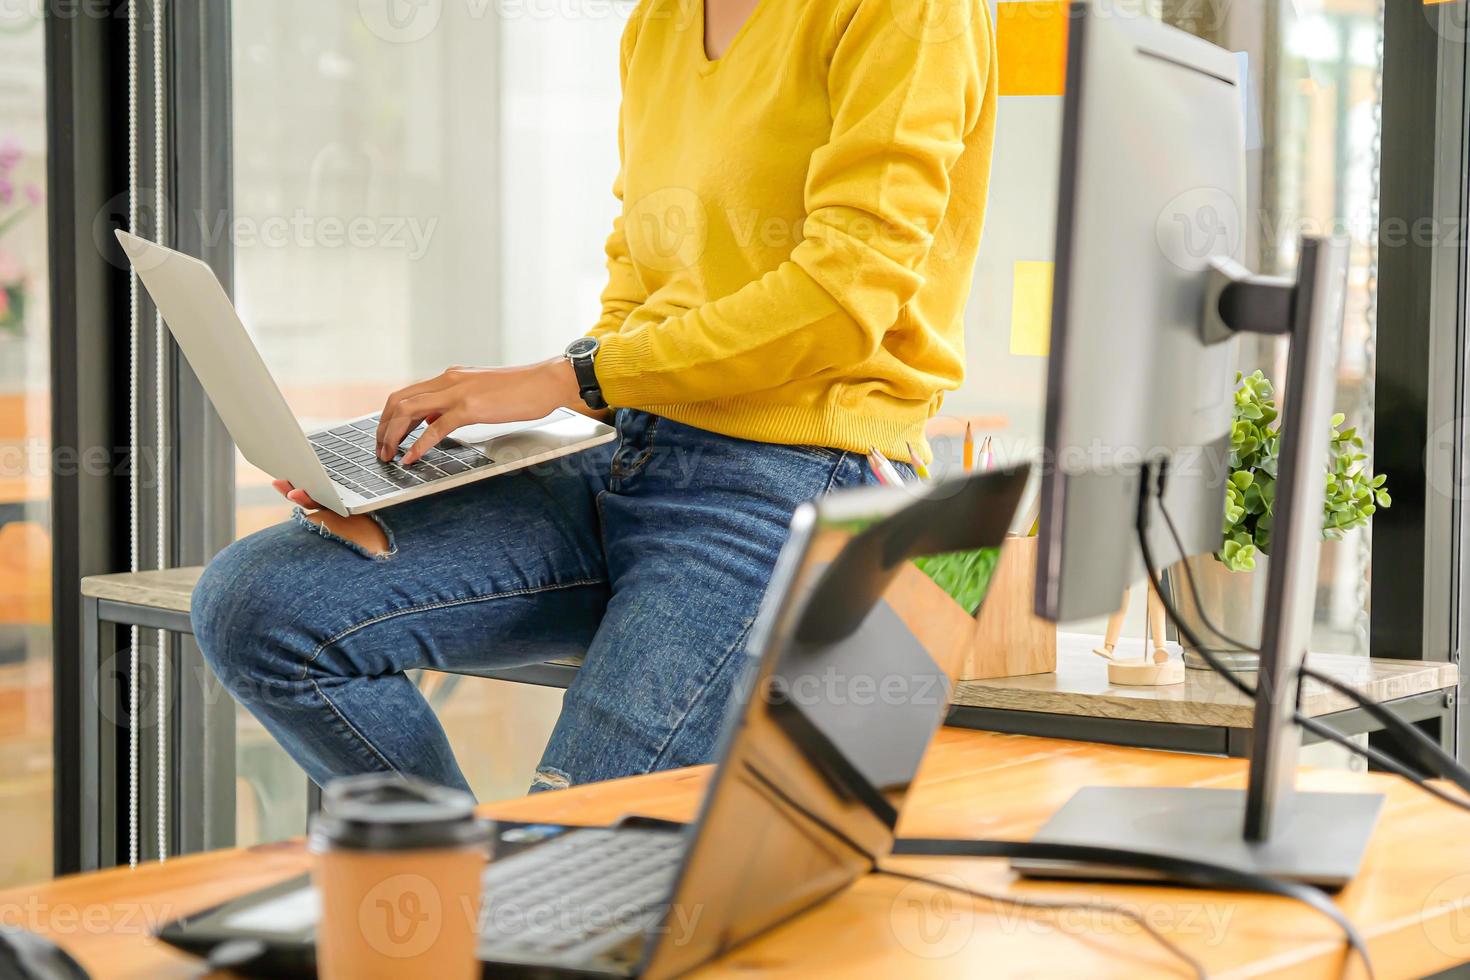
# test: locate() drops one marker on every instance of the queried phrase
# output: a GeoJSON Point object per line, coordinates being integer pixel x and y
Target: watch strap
{"type": "Point", "coordinates": [588, 387]}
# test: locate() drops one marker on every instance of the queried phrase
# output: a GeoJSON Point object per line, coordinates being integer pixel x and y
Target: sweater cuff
{"type": "Point", "coordinates": [621, 358]}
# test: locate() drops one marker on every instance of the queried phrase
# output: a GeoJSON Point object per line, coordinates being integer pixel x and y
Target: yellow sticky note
{"type": "Point", "coordinates": [1031, 309]}
{"type": "Point", "coordinates": [1031, 46]}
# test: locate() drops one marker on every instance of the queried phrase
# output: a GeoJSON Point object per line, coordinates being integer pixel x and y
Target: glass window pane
{"type": "Point", "coordinates": [411, 196]}
{"type": "Point", "coordinates": [1314, 100]}
{"type": "Point", "coordinates": [25, 522]}
{"type": "Point", "coordinates": [1323, 180]}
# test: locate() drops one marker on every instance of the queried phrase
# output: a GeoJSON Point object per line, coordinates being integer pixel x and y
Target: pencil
{"type": "Point", "coordinates": [880, 463]}
{"type": "Point", "coordinates": [918, 462]}
{"type": "Point", "coordinates": [968, 449]}
{"type": "Point", "coordinates": [877, 469]}
{"type": "Point", "coordinates": [987, 455]}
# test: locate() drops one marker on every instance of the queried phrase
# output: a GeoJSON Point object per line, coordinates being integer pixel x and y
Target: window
{"type": "Point", "coordinates": [25, 470]}
{"type": "Point", "coordinates": [411, 195]}
{"type": "Point", "coordinates": [1312, 138]}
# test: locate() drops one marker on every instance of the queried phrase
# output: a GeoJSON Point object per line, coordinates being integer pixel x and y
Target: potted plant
{"type": "Point", "coordinates": [1232, 581]}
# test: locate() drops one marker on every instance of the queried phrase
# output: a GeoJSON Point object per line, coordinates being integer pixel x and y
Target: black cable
{"type": "Point", "coordinates": [1201, 874]}
{"type": "Point", "coordinates": [1381, 758]}
{"type": "Point", "coordinates": [1447, 765]}
{"type": "Point", "coordinates": [1156, 579]}
{"type": "Point", "coordinates": [1199, 606]}
{"type": "Point", "coordinates": [997, 899]}
{"type": "Point", "coordinates": [1147, 489]}
{"type": "Point", "coordinates": [1443, 763]}
{"type": "Point", "coordinates": [1053, 905]}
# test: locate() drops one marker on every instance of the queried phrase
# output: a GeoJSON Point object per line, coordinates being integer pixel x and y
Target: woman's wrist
{"type": "Point", "coordinates": [562, 380]}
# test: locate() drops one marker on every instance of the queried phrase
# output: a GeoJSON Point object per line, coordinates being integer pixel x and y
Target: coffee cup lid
{"type": "Point", "coordinates": [387, 812]}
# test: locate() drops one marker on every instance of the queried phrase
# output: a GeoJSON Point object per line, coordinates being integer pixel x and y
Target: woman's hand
{"type": "Point", "coordinates": [298, 497]}
{"type": "Point", "coordinates": [466, 395]}
{"type": "Point", "coordinates": [462, 396]}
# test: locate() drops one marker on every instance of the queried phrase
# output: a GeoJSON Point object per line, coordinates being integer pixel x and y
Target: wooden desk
{"type": "Point", "coordinates": [1204, 714]}
{"type": "Point", "coordinates": [1410, 899]}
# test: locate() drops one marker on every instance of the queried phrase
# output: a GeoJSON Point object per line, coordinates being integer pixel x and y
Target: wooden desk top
{"type": "Point", "coordinates": [1080, 687]}
{"type": "Point", "coordinates": [1409, 900]}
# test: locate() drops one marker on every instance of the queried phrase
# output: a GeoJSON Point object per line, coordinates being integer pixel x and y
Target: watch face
{"type": "Point", "coordinates": [582, 347]}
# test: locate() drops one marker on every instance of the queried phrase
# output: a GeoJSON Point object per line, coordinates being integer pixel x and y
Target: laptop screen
{"type": "Point", "coordinates": [867, 619]}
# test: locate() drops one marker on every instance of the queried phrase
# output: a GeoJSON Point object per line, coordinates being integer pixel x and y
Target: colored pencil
{"type": "Point", "coordinates": [968, 449]}
{"type": "Point", "coordinates": [918, 462]}
{"type": "Point", "coordinates": [881, 465]}
{"type": "Point", "coordinates": [877, 469]}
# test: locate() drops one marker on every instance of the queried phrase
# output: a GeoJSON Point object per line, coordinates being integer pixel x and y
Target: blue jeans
{"type": "Point", "coordinates": [649, 555]}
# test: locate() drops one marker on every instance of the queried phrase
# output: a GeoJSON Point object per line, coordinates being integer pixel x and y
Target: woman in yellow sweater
{"type": "Point", "coordinates": [803, 185]}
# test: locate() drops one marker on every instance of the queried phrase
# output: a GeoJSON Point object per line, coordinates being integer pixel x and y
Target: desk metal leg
{"type": "Point", "coordinates": [204, 753]}
{"type": "Point", "coordinates": [88, 763]}
{"type": "Point", "coordinates": [96, 824]}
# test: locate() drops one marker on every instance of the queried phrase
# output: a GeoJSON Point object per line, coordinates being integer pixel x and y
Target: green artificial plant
{"type": "Point", "coordinates": [1352, 495]}
{"type": "Point", "coordinates": [965, 575]}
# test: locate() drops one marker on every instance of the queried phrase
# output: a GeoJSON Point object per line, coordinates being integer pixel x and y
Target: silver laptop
{"type": "Point", "coordinates": [337, 466]}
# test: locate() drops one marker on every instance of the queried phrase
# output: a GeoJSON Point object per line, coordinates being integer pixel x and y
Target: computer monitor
{"type": "Point", "coordinates": [1148, 296]}
{"type": "Point", "coordinates": [1152, 187]}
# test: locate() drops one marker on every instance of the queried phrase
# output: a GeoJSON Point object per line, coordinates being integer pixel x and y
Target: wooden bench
{"type": "Point", "coordinates": [160, 600]}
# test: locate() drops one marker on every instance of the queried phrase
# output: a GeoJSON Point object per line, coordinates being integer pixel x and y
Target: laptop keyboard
{"type": "Point", "coordinates": [575, 896]}
{"type": "Point", "coordinates": [349, 453]}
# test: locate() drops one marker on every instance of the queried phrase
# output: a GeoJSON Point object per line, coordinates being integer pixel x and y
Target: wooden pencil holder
{"type": "Point", "coordinates": [1006, 639]}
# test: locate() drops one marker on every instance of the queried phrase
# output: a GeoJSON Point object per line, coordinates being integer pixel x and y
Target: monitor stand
{"type": "Point", "coordinates": [1320, 841]}
{"type": "Point", "coordinates": [1269, 827]}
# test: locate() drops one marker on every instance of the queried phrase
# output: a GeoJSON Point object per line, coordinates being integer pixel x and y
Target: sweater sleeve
{"type": "Point", "coordinates": [904, 93]}
{"type": "Point", "coordinates": [624, 291]}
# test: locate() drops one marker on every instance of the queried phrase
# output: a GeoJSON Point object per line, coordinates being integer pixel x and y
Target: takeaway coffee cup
{"type": "Point", "coordinates": [398, 865]}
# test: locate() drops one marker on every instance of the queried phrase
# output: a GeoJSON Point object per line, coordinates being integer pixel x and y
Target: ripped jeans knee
{"type": "Point", "coordinates": [549, 778]}
{"type": "Point", "coordinates": [367, 534]}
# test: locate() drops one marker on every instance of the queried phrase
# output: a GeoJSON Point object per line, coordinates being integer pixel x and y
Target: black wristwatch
{"type": "Point", "coordinates": [582, 352]}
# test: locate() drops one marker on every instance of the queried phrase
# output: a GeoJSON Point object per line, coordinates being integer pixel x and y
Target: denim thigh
{"type": "Point", "coordinates": [312, 635]}
{"type": "Point", "coordinates": [692, 525]}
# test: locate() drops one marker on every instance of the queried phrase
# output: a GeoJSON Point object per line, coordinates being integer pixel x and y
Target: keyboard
{"type": "Point", "coordinates": [588, 893]}
{"type": "Point", "coordinates": [349, 453]}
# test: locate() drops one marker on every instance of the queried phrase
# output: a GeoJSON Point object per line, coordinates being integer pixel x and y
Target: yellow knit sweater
{"type": "Point", "coordinates": [800, 218]}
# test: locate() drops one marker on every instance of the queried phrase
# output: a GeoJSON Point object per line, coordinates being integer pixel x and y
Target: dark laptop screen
{"type": "Point", "coordinates": [853, 659]}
